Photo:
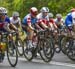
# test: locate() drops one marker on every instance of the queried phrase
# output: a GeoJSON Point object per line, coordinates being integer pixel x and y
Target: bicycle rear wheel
{"type": "Point", "coordinates": [42, 51]}
{"type": "Point", "coordinates": [19, 44]}
{"type": "Point", "coordinates": [71, 50]}
{"type": "Point", "coordinates": [49, 48]}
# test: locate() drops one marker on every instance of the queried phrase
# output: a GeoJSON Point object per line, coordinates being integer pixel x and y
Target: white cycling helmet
{"type": "Point", "coordinates": [3, 10]}
{"type": "Point", "coordinates": [58, 15]}
{"type": "Point", "coordinates": [50, 15]}
{"type": "Point", "coordinates": [15, 14]}
{"type": "Point", "coordinates": [44, 9]}
{"type": "Point", "coordinates": [34, 11]}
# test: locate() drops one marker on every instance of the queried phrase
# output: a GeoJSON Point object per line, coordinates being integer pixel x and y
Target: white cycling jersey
{"type": "Point", "coordinates": [18, 20]}
{"type": "Point", "coordinates": [73, 17]}
{"type": "Point", "coordinates": [40, 16]}
{"type": "Point", "coordinates": [56, 20]}
{"type": "Point", "coordinates": [61, 21]}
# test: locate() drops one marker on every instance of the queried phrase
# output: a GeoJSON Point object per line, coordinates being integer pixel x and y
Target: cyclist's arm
{"type": "Point", "coordinates": [37, 25]}
{"type": "Point", "coordinates": [55, 25]}
{"type": "Point", "coordinates": [7, 24]}
{"type": "Point", "coordinates": [29, 25]}
{"type": "Point", "coordinates": [20, 25]}
{"type": "Point", "coordinates": [43, 25]}
{"type": "Point", "coordinates": [13, 26]}
{"type": "Point", "coordinates": [62, 22]}
{"type": "Point", "coordinates": [6, 27]}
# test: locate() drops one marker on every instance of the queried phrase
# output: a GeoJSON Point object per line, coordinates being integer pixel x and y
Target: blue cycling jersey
{"type": "Point", "coordinates": [68, 20]}
{"type": "Point", "coordinates": [6, 20]}
{"type": "Point", "coordinates": [29, 19]}
{"type": "Point", "coordinates": [2, 23]}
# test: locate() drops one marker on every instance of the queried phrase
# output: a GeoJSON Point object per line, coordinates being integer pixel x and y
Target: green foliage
{"type": "Point", "coordinates": [23, 6]}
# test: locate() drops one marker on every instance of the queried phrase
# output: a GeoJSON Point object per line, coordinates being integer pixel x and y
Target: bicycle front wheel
{"type": "Point", "coordinates": [45, 52]}
{"type": "Point", "coordinates": [12, 53]}
{"type": "Point", "coordinates": [27, 52]}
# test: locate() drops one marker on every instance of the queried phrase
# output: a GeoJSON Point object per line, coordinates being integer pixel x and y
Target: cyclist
{"type": "Point", "coordinates": [59, 21]}
{"type": "Point", "coordinates": [60, 24]}
{"type": "Point", "coordinates": [52, 23]}
{"type": "Point", "coordinates": [28, 25]}
{"type": "Point", "coordinates": [4, 25]}
{"type": "Point", "coordinates": [70, 21]}
{"type": "Point", "coordinates": [15, 19]}
{"type": "Point", "coordinates": [54, 28]}
{"type": "Point", "coordinates": [43, 17]}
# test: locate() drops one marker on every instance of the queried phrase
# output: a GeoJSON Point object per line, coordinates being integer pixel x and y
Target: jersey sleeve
{"type": "Point", "coordinates": [68, 20]}
{"type": "Point", "coordinates": [10, 19]}
{"type": "Point", "coordinates": [51, 20]}
{"type": "Point", "coordinates": [39, 19]}
{"type": "Point", "coordinates": [19, 20]}
{"type": "Point", "coordinates": [7, 20]}
{"type": "Point", "coordinates": [26, 21]}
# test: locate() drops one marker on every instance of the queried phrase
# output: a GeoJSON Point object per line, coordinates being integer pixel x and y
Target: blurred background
{"type": "Point", "coordinates": [23, 6]}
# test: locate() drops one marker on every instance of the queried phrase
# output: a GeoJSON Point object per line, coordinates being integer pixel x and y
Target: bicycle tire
{"type": "Point", "coordinates": [8, 57]}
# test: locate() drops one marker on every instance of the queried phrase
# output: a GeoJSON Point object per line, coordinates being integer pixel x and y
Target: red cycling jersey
{"type": "Point", "coordinates": [44, 21]}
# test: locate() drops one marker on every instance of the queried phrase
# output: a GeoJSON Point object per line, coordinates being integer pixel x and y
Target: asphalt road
{"type": "Point", "coordinates": [59, 61]}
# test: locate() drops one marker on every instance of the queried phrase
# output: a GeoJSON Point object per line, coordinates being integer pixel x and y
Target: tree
{"type": "Point", "coordinates": [23, 6]}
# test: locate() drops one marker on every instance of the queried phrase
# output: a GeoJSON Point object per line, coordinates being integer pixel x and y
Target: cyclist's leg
{"type": "Point", "coordinates": [30, 36]}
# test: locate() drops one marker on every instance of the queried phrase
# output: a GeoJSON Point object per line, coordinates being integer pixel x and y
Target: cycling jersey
{"type": "Point", "coordinates": [59, 23]}
{"type": "Point", "coordinates": [42, 18]}
{"type": "Point", "coordinates": [29, 19]}
{"type": "Point", "coordinates": [70, 19]}
{"type": "Point", "coordinates": [51, 21]}
{"type": "Point", "coordinates": [56, 21]}
{"type": "Point", "coordinates": [52, 24]}
{"type": "Point", "coordinates": [3, 23]}
{"type": "Point", "coordinates": [18, 20]}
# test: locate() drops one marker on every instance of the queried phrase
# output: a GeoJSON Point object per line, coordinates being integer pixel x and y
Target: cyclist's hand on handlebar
{"type": "Point", "coordinates": [17, 31]}
{"type": "Point", "coordinates": [47, 28]}
{"type": "Point", "coordinates": [36, 31]}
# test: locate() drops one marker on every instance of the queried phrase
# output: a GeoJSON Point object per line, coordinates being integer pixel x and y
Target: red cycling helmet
{"type": "Point", "coordinates": [33, 11]}
{"type": "Point", "coordinates": [73, 10]}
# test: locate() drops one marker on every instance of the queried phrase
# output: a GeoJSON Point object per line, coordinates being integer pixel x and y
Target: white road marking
{"type": "Point", "coordinates": [52, 62]}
